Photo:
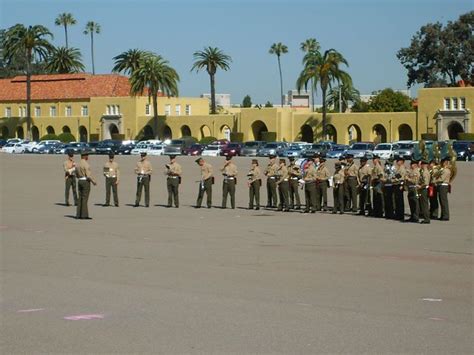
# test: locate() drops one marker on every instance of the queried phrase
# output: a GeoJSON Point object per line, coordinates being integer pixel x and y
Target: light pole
{"type": "Point", "coordinates": [340, 98]}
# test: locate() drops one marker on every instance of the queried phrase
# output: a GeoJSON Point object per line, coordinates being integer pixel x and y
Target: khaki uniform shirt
{"type": "Point", "coordinates": [338, 177]}
{"type": "Point", "coordinates": [230, 170]}
{"type": "Point", "coordinates": [310, 174]}
{"type": "Point", "coordinates": [206, 171]}
{"type": "Point", "coordinates": [69, 167]}
{"type": "Point", "coordinates": [412, 176]}
{"type": "Point", "coordinates": [351, 170]}
{"type": "Point", "coordinates": [294, 171]}
{"type": "Point", "coordinates": [377, 172]}
{"type": "Point", "coordinates": [254, 174]}
{"type": "Point", "coordinates": [84, 170]}
{"type": "Point", "coordinates": [322, 172]}
{"type": "Point", "coordinates": [174, 170]}
{"type": "Point", "coordinates": [111, 170]}
{"type": "Point", "coordinates": [445, 176]}
{"type": "Point", "coordinates": [282, 174]}
{"type": "Point", "coordinates": [143, 167]}
{"type": "Point", "coordinates": [363, 172]}
{"type": "Point", "coordinates": [425, 177]}
{"type": "Point", "coordinates": [399, 170]}
{"type": "Point", "coordinates": [271, 169]}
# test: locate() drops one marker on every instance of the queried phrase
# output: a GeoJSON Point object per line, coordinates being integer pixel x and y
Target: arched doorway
{"type": "Point", "coordinates": [257, 128]}
{"type": "Point", "coordinates": [113, 129]}
{"type": "Point", "coordinates": [307, 133]}
{"type": "Point", "coordinates": [5, 132]}
{"type": "Point", "coordinates": [185, 131]}
{"type": "Point", "coordinates": [82, 134]}
{"type": "Point", "coordinates": [331, 133]}
{"type": "Point", "coordinates": [225, 132]}
{"type": "Point", "coordinates": [205, 131]}
{"type": "Point", "coordinates": [20, 133]}
{"type": "Point", "coordinates": [454, 128]}
{"type": "Point", "coordinates": [148, 132]}
{"type": "Point", "coordinates": [50, 130]}
{"type": "Point", "coordinates": [354, 134]}
{"type": "Point", "coordinates": [66, 129]}
{"type": "Point", "coordinates": [35, 133]}
{"type": "Point", "coordinates": [167, 133]}
{"type": "Point", "coordinates": [380, 134]}
{"type": "Point", "coordinates": [405, 133]}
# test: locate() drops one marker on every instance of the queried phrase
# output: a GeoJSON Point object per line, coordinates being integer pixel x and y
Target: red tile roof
{"type": "Point", "coordinates": [65, 86]}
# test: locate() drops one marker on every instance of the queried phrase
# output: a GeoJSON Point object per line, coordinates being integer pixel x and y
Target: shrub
{"type": "Point", "coordinates": [429, 136]}
{"type": "Point", "coordinates": [93, 137]}
{"type": "Point", "coordinates": [49, 137]}
{"type": "Point", "coordinates": [194, 140]}
{"type": "Point", "coordinates": [269, 136]}
{"type": "Point", "coordinates": [118, 137]}
{"type": "Point", "coordinates": [237, 137]}
{"type": "Point", "coordinates": [66, 138]}
{"type": "Point", "coordinates": [207, 140]}
{"type": "Point", "coordinates": [466, 136]}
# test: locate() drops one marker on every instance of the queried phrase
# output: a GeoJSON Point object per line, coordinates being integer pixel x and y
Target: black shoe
{"type": "Point", "coordinates": [286, 210]}
{"type": "Point", "coordinates": [250, 208]}
{"type": "Point", "coordinates": [444, 219]}
{"type": "Point", "coordinates": [168, 206]}
{"type": "Point", "coordinates": [147, 206]}
{"type": "Point", "coordinates": [106, 205]}
{"type": "Point", "coordinates": [67, 204]}
{"type": "Point", "coordinates": [116, 205]}
{"type": "Point", "coordinates": [279, 209]}
{"type": "Point", "coordinates": [305, 211]}
{"type": "Point", "coordinates": [136, 205]}
{"type": "Point", "coordinates": [223, 207]}
{"type": "Point", "coordinates": [257, 208]}
{"type": "Point", "coordinates": [425, 222]}
{"type": "Point", "coordinates": [197, 206]}
{"type": "Point", "coordinates": [333, 212]}
{"type": "Point", "coordinates": [209, 206]}
{"type": "Point", "coordinates": [313, 212]}
{"type": "Point", "coordinates": [341, 212]}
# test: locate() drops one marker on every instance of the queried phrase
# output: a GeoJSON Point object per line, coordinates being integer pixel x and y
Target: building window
{"type": "Point", "coordinates": [167, 110]}
{"type": "Point", "coordinates": [188, 110]}
{"type": "Point", "coordinates": [462, 103]}
{"type": "Point", "coordinates": [84, 111]}
{"type": "Point", "coordinates": [68, 111]}
{"type": "Point", "coordinates": [147, 110]}
{"type": "Point", "coordinates": [22, 111]}
{"type": "Point", "coordinates": [178, 110]}
{"type": "Point", "coordinates": [37, 111]}
{"type": "Point", "coordinates": [455, 103]}
{"type": "Point", "coordinates": [113, 110]}
{"type": "Point", "coordinates": [447, 103]}
{"type": "Point", "coordinates": [8, 112]}
{"type": "Point", "coordinates": [52, 111]}
{"type": "Point", "coordinates": [117, 109]}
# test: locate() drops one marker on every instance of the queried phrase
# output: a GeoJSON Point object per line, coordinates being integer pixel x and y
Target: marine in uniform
{"type": "Point", "coordinates": [283, 186]}
{"type": "Point", "coordinates": [388, 194]}
{"type": "Point", "coordinates": [205, 185]}
{"type": "Point", "coordinates": [309, 178]}
{"type": "Point", "coordinates": [350, 172]}
{"type": "Point", "coordinates": [424, 182]}
{"type": "Point", "coordinates": [229, 171]}
{"type": "Point", "coordinates": [271, 174]}
{"type": "Point", "coordinates": [442, 181]}
{"type": "Point", "coordinates": [254, 182]}
{"type": "Point", "coordinates": [322, 176]}
{"type": "Point", "coordinates": [112, 178]}
{"type": "Point", "coordinates": [84, 175]}
{"type": "Point", "coordinates": [173, 172]}
{"type": "Point", "coordinates": [70, 178]}
{"type": "Point", "coordinates": [399, 188]}
{"type": "Point", "coordinates": [412, 179]}
{"type": "Point", "coordinates": [338, 189]}
{"type": "Point", "coordinates": [143, 170]}
{"type": "Point", "coordinates": [433, 195]}
{"type": "Point", "coordinates": [376, 179]}
{"type": "Point", "coordinates": [363, 174]}
{"type": "Point", "coordinates": [295, 175]}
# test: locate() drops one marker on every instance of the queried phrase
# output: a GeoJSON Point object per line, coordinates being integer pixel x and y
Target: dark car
{"type": "Point", "coordinates": [108, 146]}
{"type": "Point", "coordinates": [3, 142]}
{"type": "Point", "coordinates": [126, 149]}
{"type": "Point", "coordinates": [177, 146]}
{"type": "Point", "coordinates": [75, 148]}
{"type": "Point", "coordinates": [231, 150]}
{"type": "Point", "coordinates": [48, 148]}
{"type": "Point", "coordinates": [193, 150]}
{"type": "Point", "coordinates": [93, 146]}
{"type": "Point", "coordinates": [316, 148]}
{"type": "Point", "coordinates": [464, 150]}
{"type": "Point", "coordinates": [251, 148]}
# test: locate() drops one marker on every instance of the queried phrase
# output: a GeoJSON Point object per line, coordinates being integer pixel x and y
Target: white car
{"type": "Point", "coordinates": [41, 144]}
{"type": "Point", "coordinates": [9, 147]}
{"type": "Point", "coordinates": [384, 150]}
{"type": "Point", "coordinates": [20, 148]}
{"type": "Point", "coordinates": [211, 151]}
{"type": "Point", "coordinates": [156, 149]}
{"type": "Point", "coordinates": [141, 147]}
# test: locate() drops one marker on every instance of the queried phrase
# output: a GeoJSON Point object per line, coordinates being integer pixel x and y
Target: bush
{"type": "Point", "coordinates": [207, 140]}
{"type": "Point", "coordinates": [66, 138]}
{"type": "Point", "coordinates": [49, 137]}
{"type": "Point", "coordinates": [194, 140]}
{"type": "Point", "coordinates": [118, 137]}
{"type": "Point", "coordinates": [237, 137]}
{"type": "Point", "coordinates": [269, 136]}
{"type": "Point", "coordinates": [429, 136]}
{"type": "Point", "coordinates": [466, 136]}
{"type": "Point", "coordinates": [93, 137]}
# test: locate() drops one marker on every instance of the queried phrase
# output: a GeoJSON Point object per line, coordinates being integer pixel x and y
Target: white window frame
{"type": "Point", "coordinates": [147, 110]}
{"type": "Point", "coordinates": [52, 111]}
{"type": "Point", "coordinates": [22, 111]}
{"type": "Point", "coordinates": [188, 110]}
{"type": "Point", "coordinates": [177, 110]}
{"type": "Point", "coordinates": [462, 103]}
{"type": "Point", "coordinates": [68, 111]}
{"type": "Point", "coordinates": [447, 103]}
{"type": "Point", "coordinates": [37, 111]}
{"type": "Point", "coordinates": [167, 109]}
{"type": "Point", "coordinates": [454, 103]}
{"type": "Point", "coordinates": [8, 111]}
{"type": "Point", "coordinates": [84, 110]}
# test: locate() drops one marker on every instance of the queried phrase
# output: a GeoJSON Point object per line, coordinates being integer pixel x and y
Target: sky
{"type": "Point", "coordinates": [367, 32]}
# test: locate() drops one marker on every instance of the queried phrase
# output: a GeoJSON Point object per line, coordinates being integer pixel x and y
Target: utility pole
{"type": "Point", "coordinates": [340, 98]}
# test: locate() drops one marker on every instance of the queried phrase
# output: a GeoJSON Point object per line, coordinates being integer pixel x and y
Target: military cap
{"type": "Point", "coordinates": [338, 165]}
{"type": "Point", "coordinates": [375, 156]}
{"type": "Point", "coordinates": [444, 159]}
{"type": "Point", "coordinates": [400, 158]}
{"type": "Point", "coordinates": [111, 155]}
{"type": "Point", "coordinates": [348, 156]}
{"type": "Point", "coordinates": [282, 160]}
{"type": "Point", "coordinates": [143, 154]}
{"type": "Point", "coordinates": [198, 160]}
{"type": "Point", "coordinates": [271, 156]}
{"type": "Point", "coordinates": [70, 153]}
{"type": "Point", "coordinates": [255, 161]}
{"type": "Point", "coordinates": [363, 159]}
{"type": "Point", "coordinates": [228, 157]}
{"type": "Point", "coordinates": [291, 158]}
{"type": "Point", "coordinates": [172, 156]}
{"type": "Point", "coordinates": [414, 161]}
{"type": "Point", "coordinates": [425, 162]}
{"type": "Point", "coordinates": [84, 153]}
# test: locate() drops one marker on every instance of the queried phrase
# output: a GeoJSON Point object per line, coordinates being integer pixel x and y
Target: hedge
{"type": "Point", "coordinates": [93, 137]}
{"type": "Point", "coordinates": [66, 137]}
{"type": "Point", "coordinates": [118, 137]}
{"type": "Point", "coordinates": [236, 137]}
{"type": "Point", "coordinates": [466, 136]}
{"type": "Point", "coordinates": [207, 140]}
{"type": "Point", "coordinates": [49, 137]}
{"type": "Point", "coordinates": [269, 136]}
{"type": "Point", "coordinates": [429, 136]}
{"type": "Point", "coordinates": [194, 140]}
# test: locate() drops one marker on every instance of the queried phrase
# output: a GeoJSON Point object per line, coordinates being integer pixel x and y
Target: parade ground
{"type": "Point", "coordinates": [175, 281]}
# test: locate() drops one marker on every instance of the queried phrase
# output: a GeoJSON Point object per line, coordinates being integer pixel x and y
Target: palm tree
{"type": "Point", "coordinates": [65, 19]}
{"type": "Point", "coordinates": [127, 62]}
{"type": "Point", "coordinates": [211, 59]}
{"type": "Point", "coordinates": [153, 75]}
{"type": "Point", "coordinates": [91, 28]}
{"type": "Point", "coordinates": [311, 45]}
{"type": "Point", "coordinates": [324, 69]}
{"type": "Point", "coordinates": [30, 44]}
{"type": "Point", "coordinates": [278, 49]}
{"type": "Point", "coordinates": [65, 60]}
{"type": "Point", "coordinates": [341, 96]}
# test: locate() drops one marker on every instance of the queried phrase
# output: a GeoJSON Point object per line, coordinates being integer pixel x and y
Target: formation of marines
{"type": "Point", "coordinates": [367, 190]}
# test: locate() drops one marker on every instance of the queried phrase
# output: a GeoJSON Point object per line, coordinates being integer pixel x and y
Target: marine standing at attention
{"type": "Point", "coordinates": [283, 186]}
{"type": "Point", "coordinates": [424, 182]}
{"type": "Point", "coordinates": [229, 171]}
{"type": "Point", "coordinates": [205, 185]}
{"type": "Point", "coordinates": [376, 179]}
{"type": "Point", "coordinates": [442, 180]}
{"type": "Point", "coordinates": [295, 175]}
{"type": "Point", "coordinates": [338, 189]}
{"type": "Point", "coordinates": [254, 182]}
{"type": "Point", "coordinates": [352, 182]}
{"type": "Point", "coordinates": [398, 188]}
{"type": "Point", "coordinates": [363, 175]}
{"type": "Point", "coordinates": [322, 176]}
{"type": "Point", "coordinates": [70, 178]}
{"type": "Point", "coordinates": [412, 178]}
{"type": "Point", "coordinates": [173, 172]}
{"type": "Point", "coordinates": [143, 171]}
{"type": "Point", "coordinates": [309, 178]}
{"type": "Point", "coordinates": [84, 175]}
{"type": "Point", "coordinates": [112, 178]}
{"type": "Point", "coordinates": [271, 174]}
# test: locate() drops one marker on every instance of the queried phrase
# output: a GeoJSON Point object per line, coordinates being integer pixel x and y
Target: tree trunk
{"type": "Point", "coordinates": [65, 32]}
{"type": "Point", "coordinates": [155, 114]}
{"type": "Point", "coordinates": [281, 81]}
{"type": "Point", "coordinates": [213, 94]}
{"type": "Point", "coordinates": [92, 52]}
{"type": "Point", "coordinates": [312, 94]}
{"type": "Point", "coordinates": [28, 95]}
{"type": "Point", "coordinates": [323, 91]}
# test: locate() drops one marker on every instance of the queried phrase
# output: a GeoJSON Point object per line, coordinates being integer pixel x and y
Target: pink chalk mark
{"type": "Point", "coordinates": [85, 317]}
{"type": "Point", "coordinates": [30, 310]}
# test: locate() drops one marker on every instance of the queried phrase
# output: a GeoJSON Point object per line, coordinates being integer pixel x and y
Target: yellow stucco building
{"type": "Point", "coordinates": [100, 107]}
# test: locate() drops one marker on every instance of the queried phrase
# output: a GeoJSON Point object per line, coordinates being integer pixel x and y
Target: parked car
{"type": "Point", "coordinates": [314, 149]}
{"type": "Point", "coordinates": [211, 151]}
{"type": "Point", "coordinates": [126, 148]}
{"type": "Point", "coordinates": [251, 148]}
{"type": "Point", "coordinates": [337, 151]}
{"type": "Point", "coordinates": [92, 146]}
{"type": "Point", "coordinates": [48, 148]}
{"type": "Point", "coordinates": [41, 144]}
{"type": "Point", "coordinates": [403, 149]}
{"type": "Point", "coordinates": [178, 146]}
{"type": "Point", "coordinates": [75, 148]}
{"type": "Point", "coordinates": [20, 148]}
{"type": "Point", "coordinates": [464, 150]}
{"type": "Point", "coordinates": [156, 149]}
{"type": "Point", "coordinates": [362, 149]}
{"type": "Point", "coordinates": [59, 149]}
{"type": "Point", "coordinates": [9, 147]}
{"type": "Point", "coordinates": [231, 149]}
{"type": "Point", "coordinates": [384, 150]}
{"type": "Point", "coordinates": [141, 147]}
{"type": "Point", "coordinates": [108, 146]}
{"type": "Point", "coordinates": [272, 148]}
{"type": "Point", "coordinates": [3, 142]}
{"type": "Point", "coordinates": [294, 150]}
{"type": "Point", "coordinates": [194, 150]}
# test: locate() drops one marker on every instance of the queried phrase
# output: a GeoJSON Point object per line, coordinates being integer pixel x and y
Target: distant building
{"type": "Point", "coordinates": [222, 100]}
{"type": "Point", "coordinates": [297, 99]}
{"type": "Point", "coordinates": [367, 97]}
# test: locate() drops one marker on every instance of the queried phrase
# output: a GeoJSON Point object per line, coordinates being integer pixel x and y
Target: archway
{"type": "Point", "coordinates": [331, 133]}
{"type": "Point", "coordinates": [66, 129]}
{"type": "Point", "coordinates": [82, 134]}
{"type": "Point", "coordinates": [148, 132]}
{"type": "Point", "coordinates": [225, 132]}
{"type": "Point", "coordinates": [205, 132]}
{"type": "Point", "coordinates": [307, 133]}
{"type": "Point", "coordinates": [380, 134]}
{"type": "Point", "coordinates": [185, 131]}
{"type": "Point", "coordinates": [258, 127]}
{"type": "Point", "coordinates": [454, 128]}
{"type": "Point", "coordinates": [167, 133]}
{"type": "Point", "coordinates": [354, 134]}
{"type": "Point", "coordinates": [5, 132]}
{"type": "Point", "coordinates": [50, 130]}
{"type": "Point", "coordinates": [113, 129]}
{"type": "Point", "coordinates": [35, 133]}
{"type": "Point", "coordinates": [20, 133]}
{"type": "Point", "coordinates": [405, 133]}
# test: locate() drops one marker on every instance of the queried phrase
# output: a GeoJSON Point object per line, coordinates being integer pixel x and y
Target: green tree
{"type": "Point", "coordinates": [154, 75]}
{"type": "Point", "coordinates": [127, 62]}
{"type": "Point", "coordinates": [278, 49]}
{"type": "Point", "coordinates": [388, 100]}
{"type": "Point", "coordinates": [91, 28]}
{"type": "Point", "coordinates": [441, 55]}
{"type": "Point", "coordinates": [211, 59]}
{"type": "Point", "coordinates": [65, 60]}
{"type": "Point", "coordinates": [247, 102]}
{"type": "Point", "coordinates": [360, 106]}
{"type": "Point", "coordinates": [311, 45]}
{"type": "Point", "coordinates": [65, 19]}
{"type": "Point", "coordinates": [29, 44]}
{"type": "Point", "coordinates": [344, 94]}
{"type": "Point", "coordinates": [268, 104]}
{"type": "Point", "coordinates": [324, 69]}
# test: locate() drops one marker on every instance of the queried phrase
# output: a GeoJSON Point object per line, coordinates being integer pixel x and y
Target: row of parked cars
{"type": "Point", "coordinates": [222, 147]}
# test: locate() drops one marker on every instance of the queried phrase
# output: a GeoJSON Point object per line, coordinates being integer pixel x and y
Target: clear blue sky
{"type": "Point", "coordinates": [367, 32]}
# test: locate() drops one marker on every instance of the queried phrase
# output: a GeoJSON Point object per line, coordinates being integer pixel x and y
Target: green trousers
{"type": "Point", "coordinates": [173, 191]}
{"type": "Point", "coordinates": [228, 188]}
{"type": "Point", "coordinates": [143, 183]}
{"type": "Point", "coordinates": [364, 200]}
{"type": "Point", "coordinates": [321, 195]}
{"type": "Point", "coordinates": [310, 196]}
{"type": "Point", "coordinates": [272, 200]}
{"type": "Point", "coordinates": [338, 196]}
{"type": "Point", "coordinates": [84, 190]}
{"type": "Point", "coordinates": [70, 185]}
{"type": "Point", "coordinates": [399, 202]}
{"type": "Point", "coordinates": [294, 194]}
{"type": "Point", "coordinates": [434, 204]}
{"type": "Point", "coordinates": [443, 201]}
{"type": "Point", "coordinates": [205, 187]}
{"type": "Point", "coordinates": [388, 201]}
{"type": "Point", "coordinates": [352, 194]}
{"type": "Point", "coordinates": [377, 200]}
{"type": "Point", "coordinates": [283, 192]}
{"type": "Point", "coordinates": [111, 184]}
{"type": "Point", "coordinates": [414, 204]}
{"type": "Point", "coordinates": [254, 194]}
{"type": "Point", "coordinates": [424, 205]}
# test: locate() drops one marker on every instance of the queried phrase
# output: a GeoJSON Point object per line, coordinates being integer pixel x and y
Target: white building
{"type": "Point", "coordinates": [297, 99]}
{"type": "Point", "coordinates": [222, 100]}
